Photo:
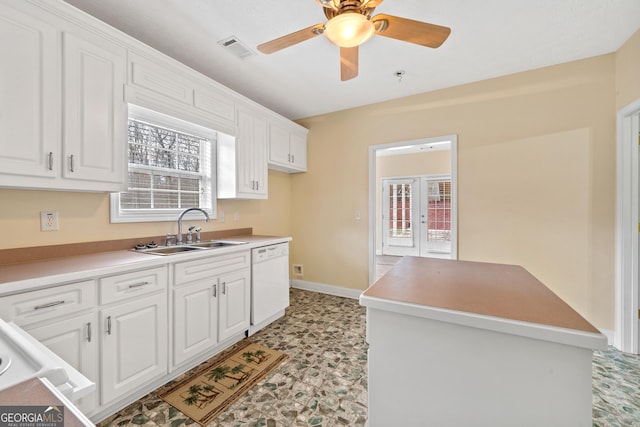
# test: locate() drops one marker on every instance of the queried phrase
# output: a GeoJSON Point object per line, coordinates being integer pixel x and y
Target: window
{"type": "Point", "coordinates": [170, 168]}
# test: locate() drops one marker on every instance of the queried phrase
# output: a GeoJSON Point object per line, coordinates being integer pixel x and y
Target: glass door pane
{"type": "Point", "coordinates": [436, 216]}
{"type": "Point", "coordinates": [399, 212]}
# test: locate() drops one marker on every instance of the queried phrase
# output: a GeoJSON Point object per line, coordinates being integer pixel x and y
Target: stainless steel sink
{"type": "Point", "coordinates": [170, 250]}
{"type": "Point", "coordinates": [211, 244]}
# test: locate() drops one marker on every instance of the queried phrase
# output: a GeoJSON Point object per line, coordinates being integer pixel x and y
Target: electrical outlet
{"type": "Point", "coordinates": [236, 216]}
{"type": "Point", "coordinates": [298, 270]}
{"type": "Point", "coordinates": [220, 215]}
{"type": "Point", "coordinates": [48, 221]}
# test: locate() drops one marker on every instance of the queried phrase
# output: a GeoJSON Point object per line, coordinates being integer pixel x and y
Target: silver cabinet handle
{"type": "Point", "coordinates": [214, 291]}
{"type": "Point", "coordinates": [89, 332]}
{"type": "Point", "coordinates": [108, 325]}
{"type": "Point", "coordinates": [289, 158]}
{"type": "Point", "coordinates": [137, 285]}
{"type": "Point", "coordinates": [71, 163]}
{"type": "Point", "coordinates": [50, 160]}
{"type": "Point", "coordinates": [293, 158]}
{"type": "Point", "coordinates": [224, 288]}
{"type": "Point", "coordinates": [49, 304]}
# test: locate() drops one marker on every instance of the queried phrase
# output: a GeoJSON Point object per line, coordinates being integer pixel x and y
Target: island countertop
{"type": "Point", "coordinates": [504, 298]}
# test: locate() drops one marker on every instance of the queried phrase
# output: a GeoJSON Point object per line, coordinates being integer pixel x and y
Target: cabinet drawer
{"type": "Point", "coordinates": [47, 304]}
{"type": "Point", "coordinates": [129, 285]}
{"type": "Point", "coordinates": [189, 271]}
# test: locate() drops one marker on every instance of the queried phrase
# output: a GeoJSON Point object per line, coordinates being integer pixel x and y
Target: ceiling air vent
{"type": "Point", "coordinates": [235, 46]}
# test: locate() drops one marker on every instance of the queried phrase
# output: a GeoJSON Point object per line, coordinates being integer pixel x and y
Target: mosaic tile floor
{"type": "Point", "coordinates": [324, 381]}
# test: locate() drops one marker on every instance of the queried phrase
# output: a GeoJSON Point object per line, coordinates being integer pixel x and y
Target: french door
{"type": "Point", "coordinates": [416, 216]}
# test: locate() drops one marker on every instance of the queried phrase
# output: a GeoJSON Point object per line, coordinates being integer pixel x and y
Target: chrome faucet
{"type": "Point", "coordinates": [179, 240]}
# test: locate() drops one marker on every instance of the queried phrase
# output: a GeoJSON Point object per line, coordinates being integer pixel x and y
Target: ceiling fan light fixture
{"type": "Point", "coordinates": [349, 29]}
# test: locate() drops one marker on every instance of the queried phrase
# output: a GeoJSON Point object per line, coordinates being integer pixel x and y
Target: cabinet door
{"type": "Point", "coordinates": [298, 151]}
{"type": "Point", "coordinates": [95, 113]}
{"type": "Point", "coordinates": [260, 154]}
{"type": "Point", "coordinates": [75, 340]}
{"type": "Point", "coordinates": [134, 345]}
{"type": "Point", "coordinates": [29, 96]}
{"type": "Point", "coordinates": [279, 146]}
{"type": "Point", "coordinates": [251, 156]}
{"type": "Point", "coordinates": [195, 319]}
{"type": "Point", "coordinates": [234, 303]}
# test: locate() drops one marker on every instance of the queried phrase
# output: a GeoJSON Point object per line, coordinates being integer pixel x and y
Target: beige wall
{"type": "Point", "coordinates": [431, 162]}
{"type": "Point", "coordinates": [628, 72]}
{"type": "Point", "coordinates": [536, 167]}
{"type": "Point", "coordinates": [84, 217]}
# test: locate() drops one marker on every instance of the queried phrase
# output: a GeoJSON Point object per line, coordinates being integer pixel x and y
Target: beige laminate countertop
{"type": "Point", "coordinates": [499, 292]}
{"type": "Point", "coordinates": [25, 276]}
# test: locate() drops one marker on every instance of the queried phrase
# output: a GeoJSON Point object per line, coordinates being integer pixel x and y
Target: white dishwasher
{"type": "Point", "coordinates": [269, 284]}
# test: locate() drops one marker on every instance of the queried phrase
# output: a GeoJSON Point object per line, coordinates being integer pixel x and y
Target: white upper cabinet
{"type": "Point", "coordinates": [287, 149]}
{"type": "Point", "coordinates": [38, 148]}
{"type": "Point", "coordinates": [94, 110]}
{"type": "Point", "coordinates": [160, 79]}
{"type": "Point", "coordinates": [242, 161]}
{"type": "Point", "coordinates": [164, 85]}
{"type": "Point", "coordinates": [65, 82]}
{"type": "Point", "coordinates": [29, 96]}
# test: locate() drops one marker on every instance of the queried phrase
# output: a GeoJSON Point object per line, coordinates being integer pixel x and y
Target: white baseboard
{"type": "Point", "coordinates": [326, 289]}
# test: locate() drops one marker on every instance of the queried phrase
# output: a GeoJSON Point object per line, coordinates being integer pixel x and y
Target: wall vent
{"type": "Point", "coordinates": [235, 46]}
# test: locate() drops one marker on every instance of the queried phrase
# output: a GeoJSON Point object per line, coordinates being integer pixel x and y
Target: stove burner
{"type": "Point", "coordinates": [5, 362]}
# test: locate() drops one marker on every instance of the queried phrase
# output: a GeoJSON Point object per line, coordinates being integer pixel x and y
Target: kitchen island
{"type": "Point", "coordinates": [459, 343]}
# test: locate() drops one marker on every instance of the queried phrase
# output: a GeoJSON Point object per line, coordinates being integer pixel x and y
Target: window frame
{"type": "Point", "coordinates": [119, 215]}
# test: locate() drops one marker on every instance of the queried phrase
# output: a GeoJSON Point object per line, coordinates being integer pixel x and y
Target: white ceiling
{"type": "Point", "coordinates": [489, 38]}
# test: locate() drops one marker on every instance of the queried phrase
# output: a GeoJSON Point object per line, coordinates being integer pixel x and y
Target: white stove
{"type": "Point", "coordinates": [22, 357]}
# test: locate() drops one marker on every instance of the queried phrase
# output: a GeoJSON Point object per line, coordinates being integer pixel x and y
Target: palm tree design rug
{"type": "Point", "coordinates": [219, 382]}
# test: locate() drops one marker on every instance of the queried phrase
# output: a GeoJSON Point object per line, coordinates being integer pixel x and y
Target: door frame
{"type": "Point", "coordinates": [373, 188]}
{"type": "Point", "coordinates": [627, 214]}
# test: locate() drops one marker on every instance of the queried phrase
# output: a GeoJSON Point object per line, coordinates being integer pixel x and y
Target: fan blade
{"type": "Point", "coordinates": [348, 63]}
{"type": "Point", "coordinates": [291, 39]}
{"type": "Point", "coordinates": [373, 3]}
{"type": "Point", "coordinates": [411, 31]}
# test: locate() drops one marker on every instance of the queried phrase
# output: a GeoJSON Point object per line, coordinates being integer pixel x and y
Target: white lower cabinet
{"type": "Point", "coordinates": [134, 345]}
{"type": "Point", "coordinates": [195, 315]}
{"type": "Point", "coordinates": [115, 329]}
{"type": "Point", "coordinates": [75, 340]}
{"type": "Point", "coordinates": [211, 303]}
{"type": "Point", "coordinates": [234, 304]}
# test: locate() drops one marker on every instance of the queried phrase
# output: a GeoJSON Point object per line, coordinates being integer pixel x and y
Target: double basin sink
{"type": "Point", "coordinates": [172, 250]}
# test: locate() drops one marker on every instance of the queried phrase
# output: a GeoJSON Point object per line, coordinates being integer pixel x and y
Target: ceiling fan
{"type": "Point", "coordinates": [350, 24]}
